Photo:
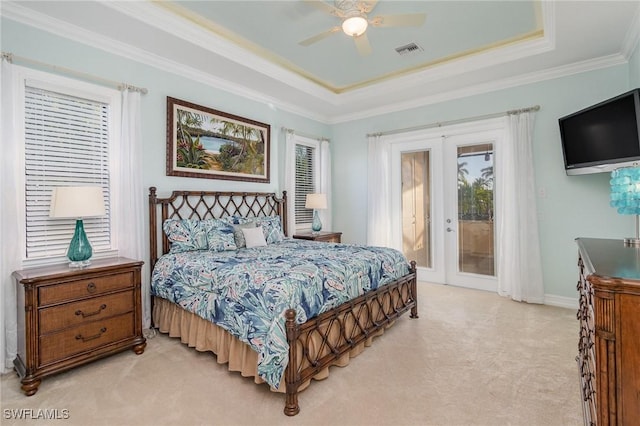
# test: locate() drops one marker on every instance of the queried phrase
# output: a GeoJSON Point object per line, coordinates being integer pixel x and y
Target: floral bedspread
{"type": "Point", "coordinates": [247, 291]}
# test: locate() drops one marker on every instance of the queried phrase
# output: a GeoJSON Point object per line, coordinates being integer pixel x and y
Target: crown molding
{"type": "Point", "coordinates": [453, 68]}
{"type": "Point", "coordinates": [15, 12]}
{"type": "Point", "coordinates": [196, 33]}
{"type": "Point", "coordinates": [478, 89]}
{"type": "Point", "coordinates": [508, 53]}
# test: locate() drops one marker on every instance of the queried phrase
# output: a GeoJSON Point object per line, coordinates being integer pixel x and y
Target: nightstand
{"type": "Point", "coordinates": [75, 316]}
{"type": "Point", "coordinates": [327, 237]}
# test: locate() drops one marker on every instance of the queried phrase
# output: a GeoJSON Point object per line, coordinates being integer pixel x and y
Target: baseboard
{"type": "Point", "coordinates": [561, 301]}
{"type": "Point", "coordinates": [549, 299]}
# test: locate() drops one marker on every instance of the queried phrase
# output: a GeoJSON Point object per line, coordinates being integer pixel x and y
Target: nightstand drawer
{"type": "Point", "coordinates": [330, 239]}
{"type": "Point", "coordinates": [324, 236]}
{"type": "Point", "coordinates": [57, 346]}
{"type": "Point", "coordinates": [84, 288]}
{"type": "Point", "coordinates": [72, 314]}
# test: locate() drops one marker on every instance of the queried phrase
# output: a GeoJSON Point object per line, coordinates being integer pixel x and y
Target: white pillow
{"type": "Point", "coordinates": [254, 237]}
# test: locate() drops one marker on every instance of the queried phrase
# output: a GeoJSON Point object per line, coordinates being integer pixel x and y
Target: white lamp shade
{"type": "Point", "coordinates": [354, 26]}
{"type": "Point", "coordinates": [316, 201]}
{"type": "Point", "coordinates": [77, 202]}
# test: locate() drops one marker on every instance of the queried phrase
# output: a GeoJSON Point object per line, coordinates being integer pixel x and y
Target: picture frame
{"type": "Point", "coordinates": [206, 143]}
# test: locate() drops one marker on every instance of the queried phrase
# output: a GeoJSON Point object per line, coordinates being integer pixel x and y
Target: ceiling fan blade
{"type": "Point", "coordinates": [362, 44]}
{"type": "Point", "coordinates": [316, 38]}
{"type": "Point", "coordinates": [366, 6]}
{"type": "Point", "coordinates": [408, 20]}
{"type": "Point", "coordinates": [325, 7]}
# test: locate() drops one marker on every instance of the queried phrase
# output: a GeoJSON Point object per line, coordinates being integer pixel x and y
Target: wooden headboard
{"type": "Point", "coordinates": [208, 205]}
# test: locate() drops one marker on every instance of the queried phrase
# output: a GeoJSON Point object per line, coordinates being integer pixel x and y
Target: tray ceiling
{"type": "Point", "coordinates": [253, 47]}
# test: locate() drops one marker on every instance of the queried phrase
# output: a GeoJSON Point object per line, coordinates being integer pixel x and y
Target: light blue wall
{"type": "Point", "coordinates": [634, 68]}
{"type": "Point", "coordinates": [31, 43]}
{"type": "Point", "coordinates": [574, 206]}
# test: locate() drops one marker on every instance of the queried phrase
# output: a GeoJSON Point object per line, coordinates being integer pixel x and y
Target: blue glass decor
{"type": "Point", "coordinates": [79, 251]}
{"type": "Point", "coordinates": [625, 196]}
{"type": "Point", "coordinates": [625, 190]}
{"type": "Point", "coordinates": [316, 225]}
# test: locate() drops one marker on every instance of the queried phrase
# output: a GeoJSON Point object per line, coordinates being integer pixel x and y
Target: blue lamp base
{"type": "Point", "coordinates": [316, 225]}
{"type": "Point", "coordinates": [79, 252]}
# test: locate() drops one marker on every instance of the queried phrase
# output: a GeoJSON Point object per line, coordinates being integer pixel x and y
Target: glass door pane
{"type": "Point", "coordinates": [416, 207]}
{"type": "Point", "coordinates": [476, 247]}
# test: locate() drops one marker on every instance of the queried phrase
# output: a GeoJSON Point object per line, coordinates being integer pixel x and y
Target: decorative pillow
{"type": "Point", "coordinates": [254, 237]}
{"type": "Point", "coordinates": [215, 223]}
{"type": "Point", "coordinates": [221, 238]}
{"type": "Point", "coordinates": [238, 220]}
{"type": "Point", "coordinates": [272, 228]}
{"type": "Point", "coordinates": [185, 235]}
{"type": "Point", "coordinates": [239, 235]}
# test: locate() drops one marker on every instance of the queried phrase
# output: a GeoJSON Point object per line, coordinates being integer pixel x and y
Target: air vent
{"type": "Point", "coordinates": [409, 49]}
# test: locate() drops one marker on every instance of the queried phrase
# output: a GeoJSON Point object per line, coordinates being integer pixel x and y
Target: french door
{"type": "Point", "coordinates": [445, 205]}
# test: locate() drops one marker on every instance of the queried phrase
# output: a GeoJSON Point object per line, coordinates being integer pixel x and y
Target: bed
{"type": "Point", "coordinates": [239, 302]}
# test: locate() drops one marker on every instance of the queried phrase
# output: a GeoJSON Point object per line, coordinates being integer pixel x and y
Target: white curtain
{"type": "Point", "coordinates": [10, 234]}
{"type": "Point", "coordinates": [130, 195]}
{"type": "Point", "coordinates": [379, 193]}
{"type": "Point", "coordinates": [290, 181]}
{"type": "Point", "coordinates": [519, 266]}
{"type": "Point", "coordinates": [325, 183]}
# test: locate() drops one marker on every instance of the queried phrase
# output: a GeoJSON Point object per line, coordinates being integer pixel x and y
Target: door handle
{"type": "Point", "coordinates": [449, 230]}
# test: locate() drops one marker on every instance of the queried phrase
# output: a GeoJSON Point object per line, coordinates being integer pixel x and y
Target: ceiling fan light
{"type": "Point", "coordinates": [354, 26]}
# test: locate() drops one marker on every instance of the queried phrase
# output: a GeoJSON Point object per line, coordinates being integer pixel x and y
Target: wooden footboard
{"type": "Point", "coordinates": [355, 321]}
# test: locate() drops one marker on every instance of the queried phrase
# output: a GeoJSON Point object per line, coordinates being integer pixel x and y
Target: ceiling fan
{"type": "Point", "coordinates": [355, 21]}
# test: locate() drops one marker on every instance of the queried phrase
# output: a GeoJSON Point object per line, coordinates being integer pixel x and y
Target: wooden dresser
{"type": "Point", "coordinates": [324, 236]}
{"type": "Point", "coordinates": [74, 316]}
{"type": "Point", "coordinates": [609, 341]}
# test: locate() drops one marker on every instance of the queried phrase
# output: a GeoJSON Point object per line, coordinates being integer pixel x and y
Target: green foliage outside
{"type": "Point", "coordinates": [475, 199]}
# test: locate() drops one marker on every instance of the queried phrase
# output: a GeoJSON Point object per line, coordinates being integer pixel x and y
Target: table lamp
{"type": "Point", "coordinates": [316, 202]}
{"type": "Point", "coordinates": [625, 196]}
{"type": "Point", "coordinates": [77, 202]}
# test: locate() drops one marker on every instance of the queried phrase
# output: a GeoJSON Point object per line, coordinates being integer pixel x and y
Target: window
{"type": "Point", "coordinates": [306, 180]}
{"type": "Point", "coordinates": [67, 142]}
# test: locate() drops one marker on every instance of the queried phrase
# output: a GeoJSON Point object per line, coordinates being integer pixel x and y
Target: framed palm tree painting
{"type": "Point", "coordinates": [205, 143]}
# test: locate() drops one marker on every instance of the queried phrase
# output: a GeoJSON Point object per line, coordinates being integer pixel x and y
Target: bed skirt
{"type": "Point", "coordinates": [203, 335]}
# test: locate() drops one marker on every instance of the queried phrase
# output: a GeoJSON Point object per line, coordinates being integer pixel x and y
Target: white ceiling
{"type": "Point", "coordinates": [468, 46]}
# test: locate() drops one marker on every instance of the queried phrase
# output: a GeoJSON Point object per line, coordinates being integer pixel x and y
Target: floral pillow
{"type": "Point", "coordinates": [272, 229]}
{"type": "Point", "coordinates": [221, 238]}
{"type": "Point", "coordinates": [185, 235]}
{"type": "Point", "coordinates": [238, 220]}
{"type": "Point", "coordinates": [194, 234]}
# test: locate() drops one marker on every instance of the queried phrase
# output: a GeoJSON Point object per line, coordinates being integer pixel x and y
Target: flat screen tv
{"type": "Point", "coordinates": [602, 137]}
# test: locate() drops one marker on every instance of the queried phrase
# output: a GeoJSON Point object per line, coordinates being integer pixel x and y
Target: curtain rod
{"type": "Point", "coordinates": [459, 121]}
{"type": "Point", "coordinates": [120, 86]}
{"type": "Point", "coordinates": [319, 138]}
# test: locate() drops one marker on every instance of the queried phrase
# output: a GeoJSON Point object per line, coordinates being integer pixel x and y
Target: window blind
{"type": "Point", "coordinates": [304, 182]}
{"type": "Point", "coordinates": [66, 144]}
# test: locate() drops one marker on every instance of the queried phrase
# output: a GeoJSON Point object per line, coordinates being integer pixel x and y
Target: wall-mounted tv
{"type": "Point", "coordinates": [602, 137]}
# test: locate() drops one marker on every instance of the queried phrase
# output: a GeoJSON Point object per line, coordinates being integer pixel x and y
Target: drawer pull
{"type": "Point", "coordinates": [95, 336]}
{"type": "Point", "coordinates": [91, 288]}
{"type": "Point", "coordinates": [90, 314]}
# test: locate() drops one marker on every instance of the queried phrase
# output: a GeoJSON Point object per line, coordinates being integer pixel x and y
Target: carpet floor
{"type": "Point", "coordinates": [472, 358]}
